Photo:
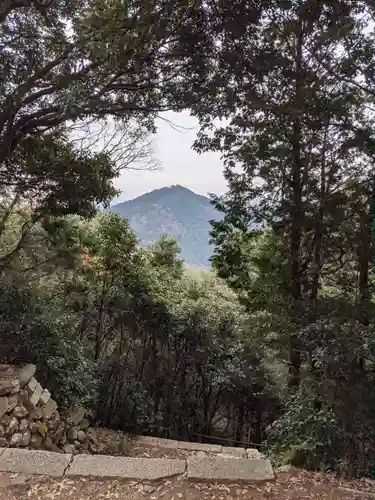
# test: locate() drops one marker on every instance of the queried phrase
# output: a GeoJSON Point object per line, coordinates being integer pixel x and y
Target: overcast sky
{"type": "Point", "coordinates": [179, 163]}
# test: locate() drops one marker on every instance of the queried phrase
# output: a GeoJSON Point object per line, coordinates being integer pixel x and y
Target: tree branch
{"type": "Point", "coordinates": [10, 5]}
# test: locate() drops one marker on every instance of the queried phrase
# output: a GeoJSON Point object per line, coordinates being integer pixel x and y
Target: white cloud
{"type": "Point", "coordinates": [179, 163]}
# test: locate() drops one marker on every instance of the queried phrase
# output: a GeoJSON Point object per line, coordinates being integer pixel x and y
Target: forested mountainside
{"type": "Point", "coordinates": [178, 213]}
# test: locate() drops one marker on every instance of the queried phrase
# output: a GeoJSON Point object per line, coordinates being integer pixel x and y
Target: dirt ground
{"type": "Point", "coordinates": [294, 485]}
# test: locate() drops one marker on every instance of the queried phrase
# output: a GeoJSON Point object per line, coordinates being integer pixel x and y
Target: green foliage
{"type": "Point", "coordinates": [100, 67]}
{"type": "Point", "coordinates": [34, 329]}
{"type": "Point", "coordinates": [181, 360]}
{"type": "Point", "coordinates": [154, 347]}
{"type": "Point", "coordinates": [63, 364]}
{"type": "Point", "coordinates": [293, 129]}
{"type": "Point", "coordinates": [60, 178]}
{"type": "Point", "coordinates": [327, 424]}
{"type": "Point", "coordinates": [285, 352]}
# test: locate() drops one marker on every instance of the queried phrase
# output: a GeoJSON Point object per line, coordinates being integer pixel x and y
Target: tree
{"type": "Point", "coordinates": [128, 145]}
{"type": "Point", "coordinates": [11, 5]}
{"type": "Point", "coordinates": [50, 179]}
{"type": "Point", "coordinates": [286, 165]}
{"type": "Point", "coordinates": [114, 60]}
{"type": "Point", "coordinates": [112, 262]}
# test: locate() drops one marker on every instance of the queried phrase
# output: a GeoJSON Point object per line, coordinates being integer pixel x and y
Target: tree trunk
{"type": "Point", "coordinates": [319, 230]}
{"type": "Point", "coordinates": [296, 216]}
{"type": "Point", "coordinates": [364, 262]}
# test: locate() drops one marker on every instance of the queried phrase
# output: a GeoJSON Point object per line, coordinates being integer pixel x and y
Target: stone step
{"type": "Point", "coordinates": [226, 451]}
{"type": "Point", "coordinates": [206, 469]}
{"type": "Point", "coordinates": [150, 469]}
{"type": "Point", "coordinates": [208, 448]}
{"type": "Point", "coordinates": [36, 462]}
{"type": "Point", "coordinates": [249, 470]}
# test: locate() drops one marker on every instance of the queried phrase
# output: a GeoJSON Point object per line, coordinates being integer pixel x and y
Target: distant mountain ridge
{"type": "Point", "coordinates": [177, 212]}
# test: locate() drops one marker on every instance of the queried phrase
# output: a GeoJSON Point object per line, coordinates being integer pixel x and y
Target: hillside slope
{"type": "Point", "coordinates": [177, 212]}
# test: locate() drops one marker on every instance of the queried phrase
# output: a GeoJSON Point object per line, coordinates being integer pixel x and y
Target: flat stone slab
{"type": "Point", "coordinates": [233, 451]}
{"type": "Point", "coordinates": [208, 448]}
{"type": "Point", "coordinates": [253, 453]}
{"type": "Point", "coordinates": [127, 468]}
{"type": "Point", "coordinates": [34, 462]}
{"type": "Point", "coordinates": [155, 441]}
{"type": "Point", "coordinates": [229, 470]}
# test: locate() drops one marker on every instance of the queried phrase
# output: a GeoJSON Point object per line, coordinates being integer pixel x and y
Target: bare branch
{"type": "Point", "coordinates": [128, 144]}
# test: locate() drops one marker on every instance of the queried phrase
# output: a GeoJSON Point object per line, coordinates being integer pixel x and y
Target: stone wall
{"type": "Point", "coordinates": [29, 417]}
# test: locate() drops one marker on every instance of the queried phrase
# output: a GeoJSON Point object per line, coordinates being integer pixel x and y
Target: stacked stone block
{"type": "Point", "coordinates": [29, 416]}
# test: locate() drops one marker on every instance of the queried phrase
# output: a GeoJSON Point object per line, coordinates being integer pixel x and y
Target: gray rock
{"type": "Point", "coordinates": [12, 426]}
{"type": "Point", "coordinates": [9, 386]}
{"type": "Point", "coordinates": [48, 443]}
{"type": "Point", "coordinates": [45, 397]}
{"type": "Point", "coordinates": [76, 416]}
{"type": "Point", "coordinates": [5, 420]}
{"type": "Point", "coordinates": [229, 470]}
{"type": "Point", "coordinates": [3, 442]}
{"type": "Point", "coordinates": [32, 384]}
{"type": "Point", "coordinates": [54, 422]}
{"type": "Point", "coordinates": [36, 414]}
{"type": "Point", "coordinates": [26, 438]}
{"type": "Point", "coordinates": [25, 374]}
{"type": "Point", "coordinates": [35, 395]}
{"type": "Point", "coordinates": [34, 462]}
{"type": "Point", "coordinates": [36, 441]}
{"type": "Point", "coordinates": [16, 439]}
{"type": "Point", "coordinates": [63, 439]}
{"type": "Point", "coordinates": [59, 432]}
{"type": "Point", "coordinates": [49, 409]}
{"type": "Point", "coordinates": [73, 434]}
{"type": "Point", "coordinates": [20, 412]}
{"type": "Point", "coordinates": [34, 426]}
{"type": "Point", "coordinates": [81, 436]}
{"type": "Point", "coordinates": [9, 381]}
{"type": "Point", "coordinates": [127, 468]}
{"type": "Point", "coordinates": [3, 405]}
{"type": "Point", "coordinates": [23, 425]}
{"type": "Point", "coordinates": [13, 401]}
{"type": "Point", "coordinates": [2, 431]}
{"type": "Point", "coordinates": [84, 424]}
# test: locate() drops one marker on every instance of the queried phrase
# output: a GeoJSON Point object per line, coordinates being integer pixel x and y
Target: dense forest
{"type": "Point", "coordinates": [273, 346]}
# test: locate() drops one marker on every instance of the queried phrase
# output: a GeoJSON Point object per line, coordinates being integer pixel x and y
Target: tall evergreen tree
{"type": "Point", "coordinates": [293, 156]}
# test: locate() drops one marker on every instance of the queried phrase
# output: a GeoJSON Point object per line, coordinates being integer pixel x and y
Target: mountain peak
{"type": "Point", "coordinates": [177, 212]}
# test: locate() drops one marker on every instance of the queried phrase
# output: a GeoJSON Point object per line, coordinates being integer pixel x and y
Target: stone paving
{"type": "Point", "coordinates": [34, 462]}
{"type": "Point", "coordinates": [151, 469]}
{"type": "Point", "coordinates": [227, 466]}
{"type": "Point", "coordinates": [225, 451]}
{"type": "Point", "coordinates": [212, 469]}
